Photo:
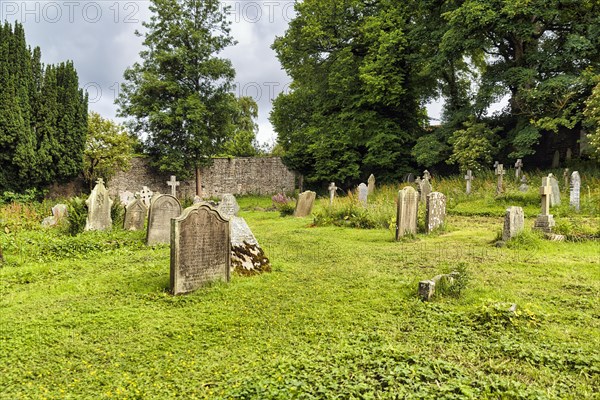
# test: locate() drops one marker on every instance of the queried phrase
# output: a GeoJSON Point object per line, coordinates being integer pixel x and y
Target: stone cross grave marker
{"type": "Point", "coordinates": [332, 190]}
{"type": "Point", "coordinates": [555, 196]}
{"type": "Point", "coordinates": [469, 178]}
{"type": "Point", "coordinates": [499, 173]}
{"type": "Point", "coordinates": [575, 190]}
{"type": "Point", "coordinates": [173, 183]}
{"type": "Point", "coordinates": [514, 221]}
{"type": "Point", "coordinates": [135, 216]}
{"type": "Point", "coordinates": [545, 221]}
{"type": "Point", "coordinates": [426, 175]}
{"type": "Point", "coordinates": [146, 195]}
{"type": "Point", "coordinates": [371, 184]}
{"type": "Point", "coordinates": [200, 248]}
{"type": "Point", "coordinates": [164, 207]}
{"type": "Point", "coordinates": [518, 167]}
{"type": "Point", "coordinates": [363, 194]}
{"type": "Point", "coordinates": [305, 204]}
{"type": "Point", "coordinates": [424, 188]}
{"type": "Point", "coordinates": [228, 207]}
{"type": "Point", "coordinates": [435, 211]}
{"type": "Point", "coordinates": [99, 204]}
{"type": "Point", "coordinates": [407, 211]}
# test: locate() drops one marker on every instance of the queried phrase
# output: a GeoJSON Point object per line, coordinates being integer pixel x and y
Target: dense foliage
{"type": "Point", "coordinates": [43, 116]}
{"type": "Point", "coordinates": [362, 72]}
{"type": "Point", "coordinates": [180, 94]}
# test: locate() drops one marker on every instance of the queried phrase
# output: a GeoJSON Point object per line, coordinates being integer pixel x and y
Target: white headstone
{"type": "Point", "coordinates": [514, 221]}
{"type": "Point", "coordinates": [575, 190]}
{"type": "Point", "coordinates": [99, 205]}
{"type": "Point", "coordinates": [173, 183]}
{"type": "Point", "coordinates": [146, 196]}
{"type": "Point", "coordinates": [469, 178]}
{"type": "Point", "coordinates": [363, 194]}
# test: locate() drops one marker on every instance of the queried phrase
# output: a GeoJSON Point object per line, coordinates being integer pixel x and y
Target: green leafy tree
{"type": "Point", "coordinates": [355, 105]}
{"type": "Point", "coordinates": [180, 94]}
{"type": "Point", "coordinates": [592, 115]}
{"type": "Point", "coordinates": [109, 149]}
{"type": "Point", "coordinates": [242, 141]}
{"type": "Point", "coordinates": [473, 147]}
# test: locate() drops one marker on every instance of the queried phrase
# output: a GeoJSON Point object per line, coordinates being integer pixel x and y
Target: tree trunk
{"type": "Point", "coordinates": [198, 182]}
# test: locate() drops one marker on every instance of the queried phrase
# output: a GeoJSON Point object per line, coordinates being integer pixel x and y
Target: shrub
{"type": "Point", "coordinates": [77, 214]}
{"type": "Point", "coordinates": [283, 204]}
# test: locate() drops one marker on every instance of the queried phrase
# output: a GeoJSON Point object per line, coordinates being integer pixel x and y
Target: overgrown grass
{"type": "Point", "coordinates": [89, 317]}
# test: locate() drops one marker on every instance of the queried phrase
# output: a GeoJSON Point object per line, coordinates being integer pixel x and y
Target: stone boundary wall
{"type": "Point", "coordinates": [238, 176]}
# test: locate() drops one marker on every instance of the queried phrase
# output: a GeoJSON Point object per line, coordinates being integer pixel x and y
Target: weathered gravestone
{"type": "Point", "coordinates": [407, 211]}
{"type": "Point", "coordinates": [499, 171]}
{"type": "Point", "coordinates": [164, 207]}
{"type": "Point", "coordinates": [555, 195]}
{"type": "Point", "coordinates": [518, 167]}
{"type": "Point", "coordinates": [575, 190]}
{"type": "Point", "coordinates": [469, 178]}
{"type": "Point", "coordinates": [99, 204]}
{"type": "Point", "coordinates": [59, 212]}
{"type": "Point", "coordinates": [173, 183]}
{"type": "Point", "coordinates": [545, 221]}
{"type": "Point", "coordinates": [228, 207]}
{"type": "Point", "coordinates": [566, 177]}
{"type": "Point", "coordinates": [569, 155]}
{"type": "Point", "coordinates": [409, 178]}
{"type": "Point", "coordinates": [556, 159]}
{"type": "Point", "coordinates": [135, 216]}
{"type": "Point", "coordinates": [424, 189]}
{"type": "Point", "coordinates": [305, 203]}
{"type": "Point", "coordinates": [146, 195]}
{"type": "Point", "coordinates": [371, 184]}
{"type": "Point", "coordinates": [200, 248]}
{"type": "Point", "coordinates": [126, 197]}
{"type": "Point", "coordinates": [332, 190]}
{"type": "Point", "coordinates": [435, 212]}
{"type": "Point", "coordinates": [514, 221]}
{"type": "Point", "coordinates": [524, 187]}
{"type": "Point", "coordinates": [247, 257]}
{"type": "Point", "coordinates": [426, 175]}
{"type": "Point", "coordinates": [363, 194]}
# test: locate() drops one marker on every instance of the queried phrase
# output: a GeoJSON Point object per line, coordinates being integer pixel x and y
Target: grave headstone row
{"type": "Point", "coordinates": [408, 207]}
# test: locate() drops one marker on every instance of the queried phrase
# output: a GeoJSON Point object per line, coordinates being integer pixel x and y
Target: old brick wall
{"type": "Point", "coordinates": [237, 176]}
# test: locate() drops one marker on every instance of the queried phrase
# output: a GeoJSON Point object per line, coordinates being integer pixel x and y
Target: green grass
{"type": "Point", "coordinates": [89, 317]}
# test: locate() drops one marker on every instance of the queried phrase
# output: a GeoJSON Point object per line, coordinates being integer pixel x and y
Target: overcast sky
{"type": "Point", "coordinates": [99, 37]}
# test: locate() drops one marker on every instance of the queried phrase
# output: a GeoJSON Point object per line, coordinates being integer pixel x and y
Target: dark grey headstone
{"type": "Point", "coordinates": [200, 248]}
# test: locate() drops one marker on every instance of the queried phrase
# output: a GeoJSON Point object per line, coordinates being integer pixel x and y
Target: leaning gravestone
{"type": "Point", "coordinates": [99, 205]}
{"type": "Point", "coordinates": [305, 204]}
{"type": "Point", "coordinates": [247, 257]}
{"type": "Point", "coordinates": [575, 190]}
{"type": "Point", "coordinates": [407, 211]}
{"type": "Point", "coordinates": [371, 184]}
{"type": "Point", "coordinates": [363, 194]}
{"type": "Point", "coordinates": [228, 207]}
{"type": "Point", "coordinates": [200, 248]}
{"type": "Point", "coordinates": [555, 196]}
{"type": "Point", "coordinates": [135, 216]}
{"type": "Point", "coordinates": [514, 221]}
{"type": "Point", "coordinates": [435, 211]}
{"type": "Point", "coordinates": [164, 207]}
{"type": "Point", "coordinates": [424, 189]}
{"type": "Point", "coordinates": [59, 212]}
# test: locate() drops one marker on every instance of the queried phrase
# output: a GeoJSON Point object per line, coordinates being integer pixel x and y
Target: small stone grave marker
{"type": "Point", "coordinates": [164, 207]}
{"type": "Point", "coordinates": [407, 212]}
{"type": "Point", "coordinates": [99, 205]}
{"type": "Point", "coordinates": [518, 167]}
{"type": "Point", "coordinates": [555, 195]}
{"type": "Point", "coordinates": [305, 203]}
{"type": "Point", "coordinates": [228, 207]}
{"type": "Point", "coordinates": [332, 191]}
{"type": "Point", "coordinates": [363, 194]}
{"type": "Point", "coordinates": [435, 211]}
{"type": "Point", "coordinates": [200, 248]}
{"type": "Point", "coordinates": [371, 184]}
{"type": "Point", "coordinates": [135, 216]}
{"type": "Point", "coordinates": [469, 178]}
{"type": "Point", "coordinates": [556, 159]}
{"type": "Point", "coordinates": [173, 183]}
{"type": "Point", "coordinates": [424, 189]}
{"type": "Point", "coordinates": [146, 196]}
{"type": "Point", "coordinates": [499, 173]}
{"type": "Point", "coordinates": [524, 187]}
{"type": "Point", "coordinates": [574, 193]}
{"type": "Point", "coordinates": [514, 221]}
{"type": "Point", "coordinates": [545, 221]}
